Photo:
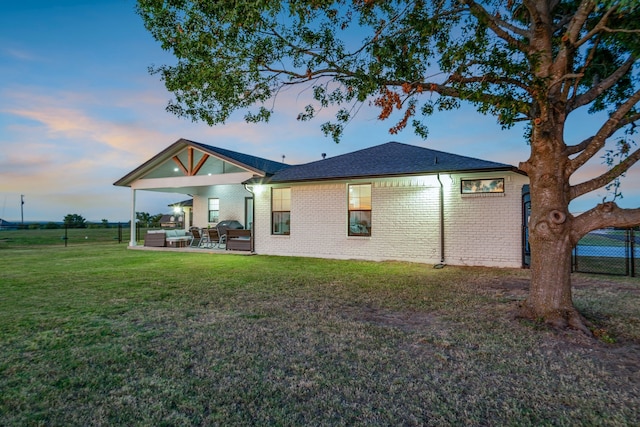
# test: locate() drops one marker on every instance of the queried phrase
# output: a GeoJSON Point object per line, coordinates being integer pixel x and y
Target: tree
{"type": "Point", "coordinates": [530, 61]}
{"type": "Point", "coordinates": [75, 221]}
{"type": "Point", "coordinates": [144, 218]}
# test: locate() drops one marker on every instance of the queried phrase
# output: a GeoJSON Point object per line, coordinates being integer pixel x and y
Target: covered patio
{"type": "Point", "coordinates": [212, 177]}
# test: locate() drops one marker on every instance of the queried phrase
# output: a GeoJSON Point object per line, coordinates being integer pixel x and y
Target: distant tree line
{"type": "Point", "coordinates": [78, 221]}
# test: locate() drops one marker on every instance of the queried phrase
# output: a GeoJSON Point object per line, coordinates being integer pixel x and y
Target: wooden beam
{"type": "Point", "coordinates": [190, 160]}
{"type": "Point", "coordinates": [200, 163]}
{"type": "Point", "coordinates": [180, 165]}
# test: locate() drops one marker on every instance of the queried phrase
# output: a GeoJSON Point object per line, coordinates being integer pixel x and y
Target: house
{"type": "Point", "coordinates": [389, 202]}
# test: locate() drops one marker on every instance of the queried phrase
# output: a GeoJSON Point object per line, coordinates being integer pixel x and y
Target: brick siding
{"type": "Point", "coordinates": [480, 229]}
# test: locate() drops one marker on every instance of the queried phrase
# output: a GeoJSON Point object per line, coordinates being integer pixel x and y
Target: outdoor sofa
{"type": "Point", "coordinates": [164, 238]}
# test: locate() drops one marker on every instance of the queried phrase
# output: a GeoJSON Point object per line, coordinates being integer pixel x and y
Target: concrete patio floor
{"type": "Point", "coordinates": [206, 250]}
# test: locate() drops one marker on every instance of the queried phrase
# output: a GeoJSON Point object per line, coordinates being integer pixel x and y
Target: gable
{"type": "Point", "coordinates": [192, 162]}
{"type": "Point", "coordinates": [186, 158]}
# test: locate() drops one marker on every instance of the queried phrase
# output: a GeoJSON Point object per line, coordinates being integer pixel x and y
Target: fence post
{"type": "Point", "coordinates": [627, 256]}
{"type": "Point", "coordinates": [632, 244]}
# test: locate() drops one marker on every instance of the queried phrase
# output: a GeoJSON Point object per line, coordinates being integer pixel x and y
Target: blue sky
{"type": "Point", "coordinates": [78, 110]}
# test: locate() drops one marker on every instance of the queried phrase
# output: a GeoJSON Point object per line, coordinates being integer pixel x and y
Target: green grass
{"type": "Point", "coordinates": [101, 335]}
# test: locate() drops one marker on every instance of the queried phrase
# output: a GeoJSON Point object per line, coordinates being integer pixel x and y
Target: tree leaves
{"type": "Point", "coordinates": [413, 57]}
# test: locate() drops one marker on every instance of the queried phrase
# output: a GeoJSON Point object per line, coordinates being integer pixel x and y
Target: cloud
{"type": "Point", "coordinates": [18, 54]}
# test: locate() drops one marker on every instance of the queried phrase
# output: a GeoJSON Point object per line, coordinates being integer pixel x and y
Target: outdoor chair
{"type": "Point", "coordinates": [196, 238]}
{"type": "Point", "coordinates": [205, 242]}
{"type": "Point", "coordinates": [222, 235]}
{"type": "Point", "coordinates": [209, 239]}
{"type": "Point", "coordinates": [214, 237]}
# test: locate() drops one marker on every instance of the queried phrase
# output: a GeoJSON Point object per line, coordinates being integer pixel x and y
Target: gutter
{"type": "Point", "coordinates": [390, 175]}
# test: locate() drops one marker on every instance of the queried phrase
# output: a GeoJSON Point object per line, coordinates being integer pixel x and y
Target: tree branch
{"type": "Point", "coordinates": [487, 78]}
{"type": "Point", "coordinates": [601, 87]}
{"type": "Point", "coordinates": [565, 57]}
{"type": "Point", "coordinates": [575, 149]}
{"type": "Point", "coordinates": [598, 27]}
{"type": "Point", "coordinates": [585, 65]}
{"type": "Point", "coordinates": [604, 215]}
{"type": "Point", "coordinates": [496, 25]}
{"type": "Point", "coordinates": [602, 180]}
{"type": "Point", "coordinates": [615, 122]}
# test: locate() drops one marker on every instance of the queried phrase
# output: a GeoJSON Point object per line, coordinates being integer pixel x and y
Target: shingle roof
{"type": "Point", "coordinates": [268, 166]}
{"type": "Point", "coordinates": [390, 159]}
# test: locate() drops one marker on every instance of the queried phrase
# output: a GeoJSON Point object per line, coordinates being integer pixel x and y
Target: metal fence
{"type": "Point", "coordinates": [608, 251]}
{"type": "Point", "coordinates": [62, 236]}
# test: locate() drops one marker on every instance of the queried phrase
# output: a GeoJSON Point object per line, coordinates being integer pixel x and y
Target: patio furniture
{"type": "Point", "coordinates": [177, 238]}
{"type": "Point", "coordinates": [196, 238]}
{"type": "Point", "coordinates": [228, 224]}
{"type": "Point", "coordinates": [212, 236]}
{"type": "Point", "coordinates": [164, 238]}
{"type": "Point", "coordinates": [155, 239]}
{"type": "Point", "coordinates": [238, 240]}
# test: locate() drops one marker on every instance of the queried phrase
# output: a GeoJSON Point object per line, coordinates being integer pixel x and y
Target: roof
{"type": "Point", "coordinates": [257, 165]}
{"type": "Point", "coordinates": [390, 159]}
{"type": "Point", "coordinates": [269, 167]}
{"type": "Point", "coordinates": [184, 203]}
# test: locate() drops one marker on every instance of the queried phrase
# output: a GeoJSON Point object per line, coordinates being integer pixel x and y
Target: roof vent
{"type": "Point", "coordinates": [324, 156]}
{"type": "Point", "coordinates": [435, 160]}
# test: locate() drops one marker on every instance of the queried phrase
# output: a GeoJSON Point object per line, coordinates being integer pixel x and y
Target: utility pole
{"type": "Point", "coordinates": [22, 209]}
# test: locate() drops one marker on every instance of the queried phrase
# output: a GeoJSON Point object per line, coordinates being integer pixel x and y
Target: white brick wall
{"type": "Point", "coordinates": [479, 230]}
{"type": "Point", "coordinates": [231, 197]}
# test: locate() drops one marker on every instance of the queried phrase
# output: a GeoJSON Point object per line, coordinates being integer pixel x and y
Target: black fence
{"type": "Point", "coordinates": [64, 236]}
{"type": "Point", "coordinates": [608, 251]}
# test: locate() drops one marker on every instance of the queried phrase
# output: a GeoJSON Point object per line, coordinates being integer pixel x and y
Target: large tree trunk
{"type": "Point", "coordinates": [550, 297]}
{"type": "Point", "coordinates": [550, 230]}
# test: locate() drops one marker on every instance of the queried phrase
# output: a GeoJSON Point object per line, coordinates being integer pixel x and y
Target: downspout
{"type": "Point", "coordinates": [253, 215]}
{"type": "Point", "coordinates": [442, 264]}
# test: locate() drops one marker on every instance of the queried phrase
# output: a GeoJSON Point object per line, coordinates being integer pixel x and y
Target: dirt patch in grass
{"type": "Point", "coordinates": [405, 321]}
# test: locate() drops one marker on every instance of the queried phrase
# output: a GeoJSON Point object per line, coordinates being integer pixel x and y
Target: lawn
{"type": "Point", "coordinates": [96, 334]}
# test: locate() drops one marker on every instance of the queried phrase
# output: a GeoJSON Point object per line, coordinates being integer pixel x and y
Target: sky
{"type": "Point", "coordinates": [79, 110]}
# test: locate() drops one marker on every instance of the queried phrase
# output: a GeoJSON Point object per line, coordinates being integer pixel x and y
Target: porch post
{"type": "Point", "coordinates": [132, 240]}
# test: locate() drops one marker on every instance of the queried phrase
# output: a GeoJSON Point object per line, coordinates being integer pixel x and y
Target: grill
{"type": "Point", "coordinates": [227, 224]}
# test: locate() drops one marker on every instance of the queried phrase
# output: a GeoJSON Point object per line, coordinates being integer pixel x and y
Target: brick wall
{"type": "Point", "coordinates": [479, 229]}
{"type": "Point", "coordinates": [231, 197]}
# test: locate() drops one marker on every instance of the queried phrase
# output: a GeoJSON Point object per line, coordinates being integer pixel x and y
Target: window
{"type": "Point", "coordinates": [360, 210]}
{"type": "Point", "coordinates": [214, 210]}
{"type": "Point", "coordinates": [280, 210]}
